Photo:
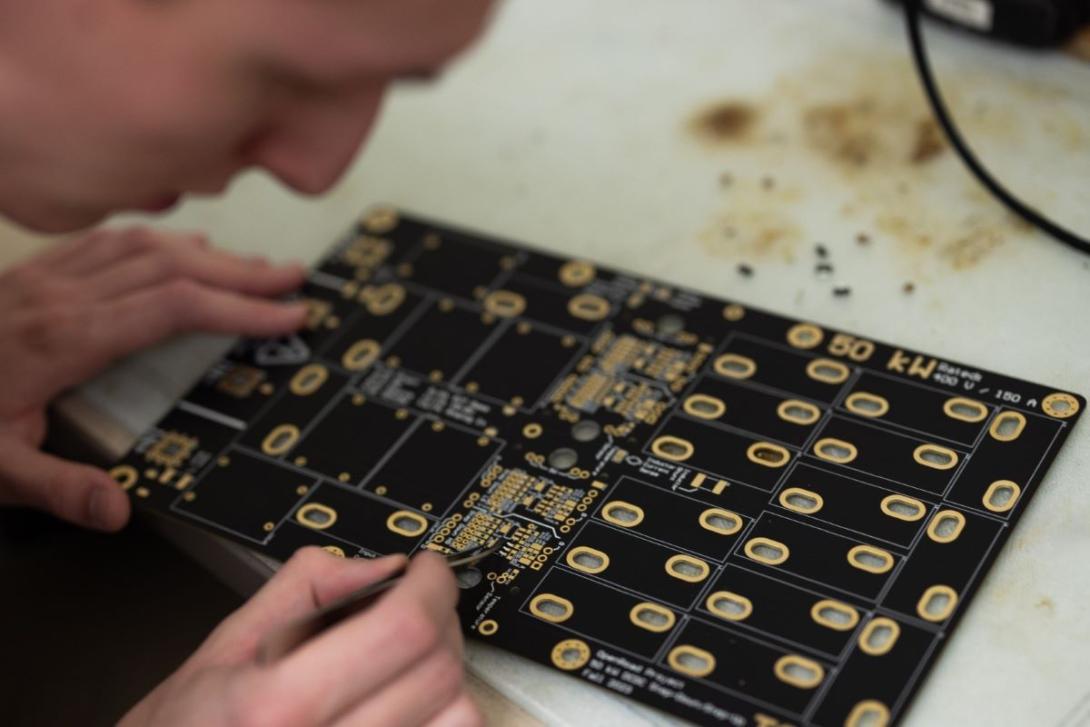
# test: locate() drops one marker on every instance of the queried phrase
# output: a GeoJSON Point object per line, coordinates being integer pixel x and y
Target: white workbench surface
{"type": "Point", "coordinates": [569, 128]}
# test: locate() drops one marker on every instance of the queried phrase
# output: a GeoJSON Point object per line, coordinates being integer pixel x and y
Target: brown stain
{"type": "Point", "coordinates": [858, 130]}
{"type": "Point", "coordinates": [930, 141]}
{"type": "Point", "coordinates": [726, 121]}
{"type": "Point", "coordinates": [1045, 604]}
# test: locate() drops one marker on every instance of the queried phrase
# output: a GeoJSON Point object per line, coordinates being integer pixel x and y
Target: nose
{"type": "Point", "coordinates": [311, 143]}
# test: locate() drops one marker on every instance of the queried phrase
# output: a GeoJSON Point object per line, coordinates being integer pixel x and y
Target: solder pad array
{"type": "Point", "coordinates": [726, 514]}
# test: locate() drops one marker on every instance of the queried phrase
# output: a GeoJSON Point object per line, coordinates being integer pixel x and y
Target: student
{"type": "Point", "coordinates": [110, 105]}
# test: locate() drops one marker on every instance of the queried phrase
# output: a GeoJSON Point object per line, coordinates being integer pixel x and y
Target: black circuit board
{"type": "Point", "coordinates": [729, 515]}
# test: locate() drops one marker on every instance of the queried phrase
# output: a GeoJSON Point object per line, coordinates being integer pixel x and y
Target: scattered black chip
{"type": "Point", "coordinates": [745, 270]}
{"type": "Point", "coordinates": [821, 251]}
{"type": "Point", "coordinates": [842, 291]}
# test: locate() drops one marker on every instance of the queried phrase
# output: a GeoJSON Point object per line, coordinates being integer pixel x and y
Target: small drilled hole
{"type": "Point", "coordinates": [801, 501]}
{"type": "Point", "coordinates": [586, 430]}
{"type": "Point", "coordinates": [563, 458]}
{"type": "Point", "coordinates": [768, 454]}
{"type": "Point", "coordinates": [588, 561]}
{"type": "Point", "coordinates": [1061, 405]}
{"type": "Point", "coordinates": [839, 617]}
{"type": "Point", "coordinates": [965, 410]}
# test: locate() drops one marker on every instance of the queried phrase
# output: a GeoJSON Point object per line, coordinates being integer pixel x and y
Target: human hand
{"type": "Point", "coordinates": [397, 664]}
{"type": "Point", "coordinates": [72, 310]}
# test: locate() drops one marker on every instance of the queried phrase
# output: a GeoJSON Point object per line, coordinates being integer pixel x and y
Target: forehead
{"type": "Point", "coordinates": [334, 40]}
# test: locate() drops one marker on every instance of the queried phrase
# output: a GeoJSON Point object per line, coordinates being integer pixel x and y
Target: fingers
{"type": "Point", "coordinates": [78, 493]}
{"type": "Point", "coordinates": [104, 248]}
{"type": "Point", "coordinates": [420, 694]}
{"type": "Point", "coordinates": [217, 269]}
{"type": "Point", "coordinates": [116, 328]}
{"type": "Point", "coordinates": [310, 579]}
{"type": "Point", "coordinates": [407, 627]}
{"type": "Point", "coordinates": [461, 713]}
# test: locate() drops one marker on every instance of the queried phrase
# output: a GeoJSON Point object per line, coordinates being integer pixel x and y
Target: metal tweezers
{"type": "Point", "coordinates": [285, 639]}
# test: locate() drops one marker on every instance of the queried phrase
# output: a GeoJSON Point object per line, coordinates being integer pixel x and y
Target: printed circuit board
{"type": "Point", "coordinates": [731, 516]}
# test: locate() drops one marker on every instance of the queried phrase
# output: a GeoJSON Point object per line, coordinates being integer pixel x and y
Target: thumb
{"type": "Point", "coordinates": [81, 494]}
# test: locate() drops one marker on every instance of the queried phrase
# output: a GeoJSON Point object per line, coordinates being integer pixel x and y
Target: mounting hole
{"type": "Point", "coordinates": [563, 459]}
{"type": "Point", "coordinates": [469, 578]}
{"type": "Point", "coordinates": [586, 430]}
{"type": "Point", "coordinates": [669, 324]}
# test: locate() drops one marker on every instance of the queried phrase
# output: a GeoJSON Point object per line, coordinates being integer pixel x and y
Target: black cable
{"type": "Point", "coordinates": [938, 106]}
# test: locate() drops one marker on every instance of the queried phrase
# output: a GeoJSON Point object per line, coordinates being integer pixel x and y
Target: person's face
{"type": "Point", "coordinates": [108, 105]}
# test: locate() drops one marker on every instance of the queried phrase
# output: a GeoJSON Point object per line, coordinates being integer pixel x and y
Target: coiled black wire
{"type": "Point", "coordinates": [938, 106]}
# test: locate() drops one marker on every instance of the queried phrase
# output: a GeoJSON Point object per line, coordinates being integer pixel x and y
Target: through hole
{"type": "Point", "coordinates": [870, 559]}
{"type": "Point", "coordinates": [879, 636]}
{"type": "Point", "coordinates": [903, 508]}
{"type": "Point", "coordinates": [799, 672]}
{"type": "Point", "coordinates": [868, 713]}
{"type": "Point", "coordinates": [672, 448]}
{"type": "Point", "coordinates": [827, 371]}
{"type": "Point", "coordinates": [768, 455]}
{"type": "Point", "coordinates": [407, 523]}
{"type": "Point", "coordinates": [936, 457]}
{"type": "Point", "coordinates": [687, 569]}
{"type": "Point", "coordinates": [623, 513]}
{"type": "Point", "coordinates": [551, 608]}
{"type": "Point", "coordinates": [865, 404]}
{"type": "Point", "coordinates": [563, 458]}
{"type": "Point", "coordinates": [835, 615]}
{"type": "Point", "coordinates": [588, 560]}
{"type": "Point", "coordinates": [965, 410]}
{"type": "Point", "coordinates": [734, 366]}
{"type": "Point", "coordinates": [669, 324]}
{"type": "Point", "coordinates": [316, 516]}
{"type": "Point", "coordinates": [946, 526]}
{"type": "Point", "coordinates": [720, 521]}
{"type": "Point", "coordinates": [586, 430]}
{"type": "Point", "coordinates": [704, 406]}
{"type": "Point", "coordinates": [800, 500]}
{"type": "Point", "coordinates": [468, 577]}
{"type": "Point", "coordinates": [652, 617]}
{"type": "Point", "coordinates": [730, 606]}
{"type": "Point", "coordinates": [280, 439]}
{"type": "Point", "coordinates": [1007, 426]}
{"type": "Point", "coordinates": [798, 412]}
{"type": "Point", "coordinates": [691, 660]}
{"type": "Point", "coordinates": [835, 450]}
{"type": "Point", "coordinates": [937, 603]}
{"type": "Point", "coordinates": [766, 551]}
{"type": "Point", "coordinates": [1001, 495]}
